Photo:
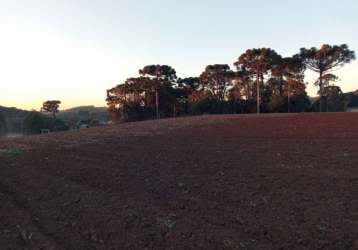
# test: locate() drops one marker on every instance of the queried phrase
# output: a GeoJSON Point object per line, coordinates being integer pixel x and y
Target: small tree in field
{"type": "Point", "coordinates": [34, 122]}
{"type": "Point", "coordinates": [326, 60]}
{"type": "Point", "coordinates": [51, 107]}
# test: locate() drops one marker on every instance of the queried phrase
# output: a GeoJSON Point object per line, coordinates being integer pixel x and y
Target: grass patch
{"type": "Point", "coordinates": [11, 152]}
{"type": "Point", "coordinates": [169, 224]}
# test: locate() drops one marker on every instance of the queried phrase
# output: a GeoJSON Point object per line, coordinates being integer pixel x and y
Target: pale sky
{"type": "Point", "coordinates": [73, 50]}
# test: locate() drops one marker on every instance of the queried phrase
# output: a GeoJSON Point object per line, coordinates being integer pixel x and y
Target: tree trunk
{"type": "Point", "coordinates": [248, 91]}
{"type": "Point", "coordinates": [233, 106]}
{"type": "Point", "coordinates": [157, 103]}
{"type": "Point", "coordinates": [321, 91]}
{"type": "Point", "coordinates": [258, 92]}
{"type": "Point", "coordinates": [288, 98]}
{"type": "Point", "coordinates": [124, 118]}
{"type": "Point", "coordinates": [124, 114]}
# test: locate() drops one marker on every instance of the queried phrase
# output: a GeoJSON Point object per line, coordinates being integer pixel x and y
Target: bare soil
{"type": "Point", "coordinates": [210, 182]}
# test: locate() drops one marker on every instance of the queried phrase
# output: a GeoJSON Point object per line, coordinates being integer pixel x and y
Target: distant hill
{"type": "Point", "coordinates": [83, 113]}
{"type": "Point", "coordinates": [352, 99]}
{"type": "Point", "coordinates": [314, 99]}
{"type": "Point", "coordinates": [11, 119]}
{"type": "Point", "coordinates": [89, 108]}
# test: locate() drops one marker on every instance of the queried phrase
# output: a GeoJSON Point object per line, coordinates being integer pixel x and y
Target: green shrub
{"type": "Point", "coordinates": [35, 122]}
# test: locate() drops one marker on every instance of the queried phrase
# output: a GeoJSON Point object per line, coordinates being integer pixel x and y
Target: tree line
{"type": "Point", "coordinates": [262, 81]}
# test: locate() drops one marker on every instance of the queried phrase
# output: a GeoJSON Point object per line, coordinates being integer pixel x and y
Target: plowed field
{"type": "Point", "coordinates": [210, 182]}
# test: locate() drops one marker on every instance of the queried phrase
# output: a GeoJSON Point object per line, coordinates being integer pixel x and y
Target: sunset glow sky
{"type": "Point", "coordinates": [73, 50]}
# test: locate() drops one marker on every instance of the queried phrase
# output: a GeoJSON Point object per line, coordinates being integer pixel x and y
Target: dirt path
{"type": "Point", "coordinates": [211, 182]}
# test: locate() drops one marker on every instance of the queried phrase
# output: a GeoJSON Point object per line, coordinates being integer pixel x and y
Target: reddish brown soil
{"type": "Point", "coordinates": [211, 182]}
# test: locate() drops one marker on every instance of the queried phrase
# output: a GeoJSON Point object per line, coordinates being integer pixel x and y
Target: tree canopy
{"type": "Point", "coordinates": [163, 72]}
{"type": "Point", "coordinates": [51, 107]}
{"type": "Point", "coordinates": [327, 58]}
{"type": "Point", "coordinates": [324, 61]}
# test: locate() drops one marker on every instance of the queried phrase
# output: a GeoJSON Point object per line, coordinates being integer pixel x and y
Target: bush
{"type": "Point", "coordinates": [300, 104]}
{"type": "Point", "coordinates": [35, 122]}
{"type": "Point", "coordinates": [59, 125]}
{"type": "Point", "coordinates": [211, 105]}
{"type": "Point", "coordinates": [276, 104]}
{"type": "Point", "coordinates": [137, 112]}
{"type": "Point", "coordinates": [3, 126]}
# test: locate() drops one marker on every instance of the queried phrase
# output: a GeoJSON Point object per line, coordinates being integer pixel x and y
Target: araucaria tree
{"type": "Point", "coordinates": [217, 79]}
{"type": "Point", "coordinates": [324, 61]}
{"type": "Point", "coordinates": [161, 75]}
{"type": "Point", "coordinates": [134, 92]}
{"type": "Point", "coordinates": [51, 107]}
{"type": "Point", "coordinates": [258, 62]}
{"type": "Point", "coordinates": [287, 79]}
{"type": "Point", "coordinates": [116, 99]}
{"type": "Point", "coordinates": [138, 96]}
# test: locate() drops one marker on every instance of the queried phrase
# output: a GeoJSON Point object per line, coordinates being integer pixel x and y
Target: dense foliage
{"type": "Point", "coordinates": [3, 125]}
{"type": "Point", "coordinates": [35, 122]}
